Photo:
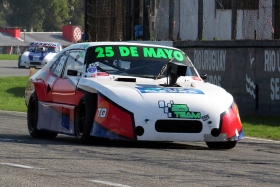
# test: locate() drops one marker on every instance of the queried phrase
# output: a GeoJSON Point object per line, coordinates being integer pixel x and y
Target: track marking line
{"type": "Point", "coordinates": [10, 140]}
{"type": "Point", "coordinates": [109, 183]}
{"type": "Point", "coordinates": [19, 166]}
{"type": "Point", "coordinates": [262, 139]}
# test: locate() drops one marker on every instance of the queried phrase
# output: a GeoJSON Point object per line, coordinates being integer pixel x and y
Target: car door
{"type": "Point", "coordinates": [64, 87]}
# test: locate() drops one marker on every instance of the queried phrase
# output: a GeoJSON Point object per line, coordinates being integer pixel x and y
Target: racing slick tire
{"type": "Point", "coordinates": [84, 119]}
{"type": "Point", "coordinates": [221, 145]}
{"type": "Point", "coordinates": [32, 120]}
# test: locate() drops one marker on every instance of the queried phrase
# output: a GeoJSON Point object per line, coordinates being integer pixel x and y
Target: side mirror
{"type": "Point", "coordinates": [174, 71]}
{"type": "Point", "coordinates": [203, 76]}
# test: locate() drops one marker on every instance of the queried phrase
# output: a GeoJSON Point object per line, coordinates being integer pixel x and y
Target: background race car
{"type": "Point", "coordinates": [118, 90]}
{"type": "Point", "coordinates": [38, 54]}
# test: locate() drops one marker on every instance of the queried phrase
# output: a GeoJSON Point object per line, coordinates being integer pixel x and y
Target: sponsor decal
{"type": "Point", "coordinates": [41, 44]}
{"type": "Point", "coordinates": [205, 118]}
{"type": "Point", "coordinates": [169, 90]}
{"type": "Point", "coordinates": [51, 80]}
{"type": "Point", "coordinates": [178, 110]}
{"type": "Point", "coordinates": [102, 111]}
{"type": "Point", "coordinates": [136, 52]}
{"type": "Point", "coordinates": [92, 70]}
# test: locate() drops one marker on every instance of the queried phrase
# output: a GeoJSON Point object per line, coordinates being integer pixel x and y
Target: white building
{"type": "Point", "coordinates": [212, 19]}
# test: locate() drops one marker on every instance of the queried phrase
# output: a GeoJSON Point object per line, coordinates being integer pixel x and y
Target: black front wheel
{"type": "Point", "coordinates": [32, 120]}
{"type": "Point", "coordinates": [85, 118]}
{"type": "Point", "coordinates": [221, 145]}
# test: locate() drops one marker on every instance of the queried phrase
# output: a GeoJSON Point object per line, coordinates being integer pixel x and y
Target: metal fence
{"type": "Point", "coordinates": [16, 50]}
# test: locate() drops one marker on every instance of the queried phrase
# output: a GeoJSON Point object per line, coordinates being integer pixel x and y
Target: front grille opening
{"type": "Point", "coordinates": [178, 126]}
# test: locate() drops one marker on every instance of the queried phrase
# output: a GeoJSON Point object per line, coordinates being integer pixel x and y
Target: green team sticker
{"type": "Point", "coordinates": [182, 111]}
{"type": "Point", "coordinates": [139, 52]}
{"type": "Point", "coordinates": [178, 110]}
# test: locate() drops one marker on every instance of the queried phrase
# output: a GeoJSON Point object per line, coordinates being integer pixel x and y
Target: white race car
{"type": "Point", "coordinates": [38, 54]}
{"type": "Point", "coordinates": [119, 90]}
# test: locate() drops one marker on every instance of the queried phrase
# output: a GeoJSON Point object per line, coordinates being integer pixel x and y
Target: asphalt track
{"type": "Point", "coordinates": [63, 161]}
{"type": "Point", "coordinates": [10, 68]}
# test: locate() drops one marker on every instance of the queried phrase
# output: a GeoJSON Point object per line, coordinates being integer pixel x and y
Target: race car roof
{"type": "Point", "coordinates": [44, 44]}
{"type": "Point", "coordinates": [86, 45]}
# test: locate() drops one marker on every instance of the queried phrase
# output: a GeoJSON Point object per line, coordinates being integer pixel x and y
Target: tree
{"type": "Point", "coordinates": [27, 14]}
{"type": "Point", "coordinates": [42, 15]}
{"type": "Point", "coordinates": [3, 11]}
{"type": "Point", "coordinates": [77, 15]}
{"type": "Point", "coordinates": [56, 15]}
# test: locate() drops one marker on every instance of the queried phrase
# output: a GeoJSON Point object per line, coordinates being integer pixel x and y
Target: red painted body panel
{"type": "Point", "coordinates": [63, 92]}
{"type": "Point", "coordinates": [41, 91]}
{"type": "Point", "coordinates": [114, 118]}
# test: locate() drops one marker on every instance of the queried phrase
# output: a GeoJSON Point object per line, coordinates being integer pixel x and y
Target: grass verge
{"type": "Point", "coordinates": [8, 57]}
{"type": "Point", "coordinates": [261, 127]}
{"type": "Point", "coordinates": [12, 99]}
{"type": "Point", "coordinates": [12, 92]}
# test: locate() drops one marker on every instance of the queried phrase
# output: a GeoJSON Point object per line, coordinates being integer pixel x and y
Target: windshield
{"type": "Point", "coordinates": [139, 61]}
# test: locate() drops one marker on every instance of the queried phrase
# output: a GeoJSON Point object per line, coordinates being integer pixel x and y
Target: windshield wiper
{"type": "Point", "coordinates": [163, 69]}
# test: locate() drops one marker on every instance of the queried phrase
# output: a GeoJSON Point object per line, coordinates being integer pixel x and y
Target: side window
{"type": "Point", "coordinates": [57, 67]}
{"type": "Point", "coordinates": [75, 61]}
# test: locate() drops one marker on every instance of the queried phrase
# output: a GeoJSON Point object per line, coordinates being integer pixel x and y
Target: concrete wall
{"type": "Point", "coordinates": [249, 70]}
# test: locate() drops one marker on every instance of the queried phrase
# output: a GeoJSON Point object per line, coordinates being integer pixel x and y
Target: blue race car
{"type": "Point", "coordinates": [38, 54]}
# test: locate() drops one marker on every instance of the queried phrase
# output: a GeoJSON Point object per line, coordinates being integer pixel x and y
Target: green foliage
{"type": "Point", "coordinates": [41, 15]}
{"type": "Point", "coordinates": [2, 14]}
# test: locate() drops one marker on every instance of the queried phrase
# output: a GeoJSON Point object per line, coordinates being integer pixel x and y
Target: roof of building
{"type": "Point", "coordinates": [27, 37]}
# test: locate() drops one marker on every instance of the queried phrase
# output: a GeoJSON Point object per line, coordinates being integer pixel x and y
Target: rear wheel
{"type": "Point", "coordinates": [32, 120]}
{"type": "Point", "coordinates": [221, 145]}
{"type": "Point", "coordinates": [84, 119]}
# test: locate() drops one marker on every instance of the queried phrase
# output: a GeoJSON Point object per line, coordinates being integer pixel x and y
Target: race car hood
{"type": "Point", "coordinates": [146, 95]}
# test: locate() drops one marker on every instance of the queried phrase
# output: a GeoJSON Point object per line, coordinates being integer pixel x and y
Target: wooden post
{"type": "Point", "coordinates": [31, 71]}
